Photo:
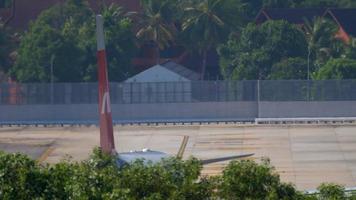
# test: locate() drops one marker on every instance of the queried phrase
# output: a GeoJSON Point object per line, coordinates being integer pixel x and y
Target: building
{"type": "Point", "coordinates": [344, 18]}
{"type": "Point", "coordinates": [166, 82]}
{"type": "Point", "coordinates": [292, 15]}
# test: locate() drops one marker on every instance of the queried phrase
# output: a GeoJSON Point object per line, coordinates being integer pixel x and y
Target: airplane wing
{"type": "Point", "coordinates": [215, 160]}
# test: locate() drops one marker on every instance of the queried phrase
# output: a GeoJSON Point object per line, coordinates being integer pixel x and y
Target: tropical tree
{"type": "Point", "coordinates": [252, 55]}
{"type": "Point", "coordinates": [320, 34]}
{"type": "Point", "coordinates": [238, 182]}
{"type": "Point", "coordinates": [5, 3]}
{"type": "Point", "coordinates": [36, 53]}
{"type": "Point", "coordinates": [63, 39]}
{"type": "Point", "coordinates": [120, 45]}
{"type": "Point", "coordinates": [207, 23]}
{"type": "Point", "coordinates": [339, 68]}
{"type": "Point", "coordinates": [53, 35]}
{"type": "Point", "coordinates": [349, 50]}
{"type": "Point", "coordinates": [156, 24]}
{"type": "Point", "coordinates": [289, 68]}
{"type": "Point", "coordinates": [99, 177]}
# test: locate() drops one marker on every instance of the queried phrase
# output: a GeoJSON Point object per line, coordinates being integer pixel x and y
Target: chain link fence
{"type": "Point", "coordinates": [179, 92]}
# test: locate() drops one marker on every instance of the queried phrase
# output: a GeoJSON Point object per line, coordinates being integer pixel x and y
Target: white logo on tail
{"type": "Point", "coordinates": [105, 107]}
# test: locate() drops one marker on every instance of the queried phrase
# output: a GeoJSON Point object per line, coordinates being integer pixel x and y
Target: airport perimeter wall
{"type": "Point", "coordinates": [307, 109]}
{"type": "Point", "coordinates": [168, 101]}
{"type": "Point", "coordinates": [205, 111]}
{"type": "Point", "coordinates": [176, 112]}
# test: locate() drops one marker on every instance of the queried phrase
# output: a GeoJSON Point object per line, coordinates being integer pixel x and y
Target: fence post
{"type": "Point", "coordinates": [68, 93]}
{"type": "Point", "coordinates": [258, 98]}
{"type": "Point", "coordinates": [308, 90]}
{"type": "Point", "coordinates": [1, 92]}
{"type": "Point", "coordinates": [52, 92]}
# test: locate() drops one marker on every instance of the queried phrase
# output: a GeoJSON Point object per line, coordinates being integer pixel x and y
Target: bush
{"type": "Point", "coordinates": [290, 69]}
{"type": "Point", "coordinates": [248, 180]}
{"type": "Point", "coordinates": [341, 68]}
{"type": "Point", "coordinates": [100, 178]}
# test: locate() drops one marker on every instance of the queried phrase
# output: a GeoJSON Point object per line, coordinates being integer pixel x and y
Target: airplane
{"type": "Point", "coordinates": [106, 127]}
{"type": "Point", "coordinates": [150, 156]}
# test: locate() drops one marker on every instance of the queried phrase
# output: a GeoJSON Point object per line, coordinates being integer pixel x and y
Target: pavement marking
{"type": "Point", "coordinates": [182, 147]}
{"type": "Point", "coordinates": [45, 154]}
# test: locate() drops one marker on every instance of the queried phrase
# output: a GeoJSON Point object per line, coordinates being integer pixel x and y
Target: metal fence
{"type": "Point", "coordinates": [327, 90]}
{"type": "Point", "coordinates": [179, 92]}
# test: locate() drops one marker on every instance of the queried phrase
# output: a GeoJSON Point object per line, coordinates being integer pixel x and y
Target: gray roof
{"type": "Point", "coordinates": [181, 70]}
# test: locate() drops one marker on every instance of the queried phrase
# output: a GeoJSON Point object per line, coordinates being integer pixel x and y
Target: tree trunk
{"type": "Point", "coordinates": [13, 10]}
{"type": "Point", "coordinates": [102, 6]}
{"type": "Point", "coordinates": [308, 72]}
{"type": "Point", "coordinates": [203, 67]}
{"type": "Point", "coordinates": [158, 56]}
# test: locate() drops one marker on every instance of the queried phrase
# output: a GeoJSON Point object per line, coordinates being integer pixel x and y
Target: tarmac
{"type": "Point", "coordinates": [305, 155]}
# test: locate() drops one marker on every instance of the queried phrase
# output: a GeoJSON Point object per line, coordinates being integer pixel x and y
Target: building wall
{"type": "Point", "coordinates": [157, 92]}
{"type": "Point", "coordinates": [28, 10]}
{"type": "Point", "coordinates": [156, 74]}
{"type": "Point", "coordinates": [160, 85]}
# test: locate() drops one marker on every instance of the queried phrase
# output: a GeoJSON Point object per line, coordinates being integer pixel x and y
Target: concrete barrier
{"type": "Point", "coordinates": [178, 112]}
{"type": "Point", "coordinates": [131, 112]}
{"type": "Point", "coordinates": [304, 109]}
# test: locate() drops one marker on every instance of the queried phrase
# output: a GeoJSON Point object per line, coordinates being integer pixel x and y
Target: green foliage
{"type": "Point", "coordinates": [252, 55]}
{"type": "Point", "coordinates": [64, 37]}
{"type": "Point", "coordinates": [331, 191]}
{"type": "Point", "coordinates": [20, 177]}
{"type": "Point", "coordinates": [156, 23]}
{"type": "Point", "coordinates": [349, 51]}
{"type": "Point", "coordinates": [99, 177]}
{"type": "Point", "coordinates": [249, 180]}
{"type": "Point", "coordinates": [6, 3]}
{"type": "Point", "coordinates": [341, 68]}
{"type": "Point", "coordinates": [120, 45]}
{"type": "Point", "coordinates": [208, 23]}
{"type": "Point", "coordinates": [290, 68]}
{"type": "Point", "coordinates": [322, 44]}
{"type": "Point", "coordinates": [36, 49]}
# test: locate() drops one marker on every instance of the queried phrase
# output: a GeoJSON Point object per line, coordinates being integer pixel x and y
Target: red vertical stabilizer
{"type": "Point", "coordinates": [106, 128]}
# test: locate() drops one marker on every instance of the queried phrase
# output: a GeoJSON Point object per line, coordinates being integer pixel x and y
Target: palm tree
{"type": "Point", "coordinates": [204, 26]}
{"type": "Point", "coordinates": [156, 24]}
{"type": "Point", "coordinates": [320, 35]}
